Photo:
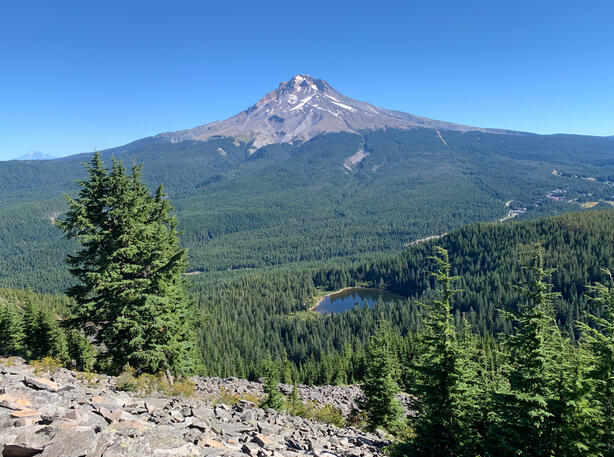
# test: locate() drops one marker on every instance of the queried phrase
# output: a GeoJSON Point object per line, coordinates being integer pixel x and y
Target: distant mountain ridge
{"type": "Point", "coordinates": [304, 107]}
{"type": "Point", "coordinates": [35, 155]}
{"type": "Point", "coordinates": [377, 181]}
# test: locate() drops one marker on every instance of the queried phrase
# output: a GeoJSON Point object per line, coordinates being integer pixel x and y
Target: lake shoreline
{"type": "Point", "coordinates": [324, 297]}
{"type": "Point", "coordinates": [340, 291]}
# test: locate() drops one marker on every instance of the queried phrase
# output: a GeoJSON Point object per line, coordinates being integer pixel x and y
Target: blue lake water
{"type": "Point", "coordinates": [355, 296]}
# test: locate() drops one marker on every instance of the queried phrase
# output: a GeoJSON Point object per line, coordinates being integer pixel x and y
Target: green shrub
{"type": "Point", "coordinates": [313, 411]}
{"type": "Point", "coordinates": [146, 384]}
{"type": "Point", "coordinates": [228, 398]}
{"type": "Point", "coordinates": [46, 364]}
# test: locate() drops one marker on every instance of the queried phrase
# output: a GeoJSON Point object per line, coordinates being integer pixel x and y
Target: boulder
{"type": "Point", "coordinates": [41, 384]}
{"type": "Point", "coordinates": [250, 449]}
{"type": "Point", "coordinates": [20, 450]}
{"type": "Point", "coordinates": [206, 441]}
{"type": "Point", "coordinates": [64, 416]}
{"type": "Point", "coordinates": [76, 442]}
{"type": "Point", "coordinates": [14, 402]}
{"type": "Point", "coordinates": [27, 440]}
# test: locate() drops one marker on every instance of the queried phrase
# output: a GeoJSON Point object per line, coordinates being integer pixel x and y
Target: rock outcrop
{"type": "Point", "coordinates": [342, 398]}
{"type": "Point", "coordinates": [66, 414]}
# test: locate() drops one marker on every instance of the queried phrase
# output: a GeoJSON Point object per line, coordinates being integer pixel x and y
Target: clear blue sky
{"type": "Point", "coordinates": [75, 76]}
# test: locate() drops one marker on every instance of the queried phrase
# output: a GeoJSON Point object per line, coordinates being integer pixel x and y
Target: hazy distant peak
{"type": "Point", "coordinates": [35, 155]}
{"type": "Point", "coordinates": [302, 108]}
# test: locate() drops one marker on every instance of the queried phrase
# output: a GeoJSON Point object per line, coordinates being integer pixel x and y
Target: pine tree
{"type": "Point", "coordinates": [80, 350]}
{"type": "Point", "coordinates": [601, 343]}
{"type": "Point", "coordinates": [379, 384]}
{"type": "Point", "coordinates": [30, 313]}
{"type": "Point", "coordinates": [130, 269]}
{"type": "Point", "coordinates": [285, 369]}
{"type": "Point", "coordinates": [575, 412]}
{"type": "Point", "coordinates": [274, 398]}
{"type": "Point", "coordinates": [445, 383]}
{"type": "Point", "coordinates": [294, 398]}
{"type": "Point", "coordinates": [479, 376]}
{"type": "Point", "coordinates": [532, 413]}
{"type": "Point", "coordinates": [12, 334]}
{"type": "Point", "coordinates": [49, 339]}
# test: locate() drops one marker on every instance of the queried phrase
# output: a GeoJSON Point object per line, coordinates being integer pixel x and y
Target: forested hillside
{"type": "Point", "coordinates": [505, 348]}
{"type": "Point", "coordinates": [262, 315]}
{"type": "Point", "coordinates": [254, 316]}
{"type": "Point", "coordinates": [307, 203]}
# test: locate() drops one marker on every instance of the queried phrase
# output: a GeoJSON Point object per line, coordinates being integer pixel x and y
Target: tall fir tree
{"type": "Point", "coordinates": [294, 400]}
{"type": "Point", "coordinates": [523, 413]}
{"type": "Point", "coordinates": [131, 290]}
{"type": "Point", "coordinates": [80, 350]}
{"type": "Point", "coordinates": [547, 408]}
{"type": "Point", "coordinates": [30, 317]}
{"type": "Point", "coordinates": [379, 385]}
{"type": "Point", "coordinates": [274, 398]}
{"type": "Point", "coordinates": [575, 423]}
{"type": "Point", "coordinates": [48, 339]}
{"type": "Point", "coordinates": [480, 375]}
{"type": "Point", "coordinates": [445, 384]}
{"type": "Point", "coordinates": [600, 340]}
{"type": "Point", "coordinates": [12, 332]}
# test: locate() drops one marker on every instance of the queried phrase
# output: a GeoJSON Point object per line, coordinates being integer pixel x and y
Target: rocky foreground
{"type": "Point", "coordinates": [66, 414]}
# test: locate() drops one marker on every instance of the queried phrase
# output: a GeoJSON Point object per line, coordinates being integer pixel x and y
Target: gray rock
{"type": "Point", "coordinates": [33, 436]}
{"type": "Point", "coordinates": [153, 404]}
{"type": "Point", "coordinates": [222, 413]}
{"type": "Point", "coordinates": [199, 425]}
{"type": "Point", "coordinates": [250, 449]}
{"type": "Point", "coordinates": [248, 416]}
{"type": "Point", "coordinates": [192, 435]}
{"type": "Point", "coordinates": [267, 429]}
{"type": "Point", "coordinates": [76, 419]}
{"type": "Point", "coordinates": [266, 442]}
{"type": "Point", "coordinates": [230, 429]}
{"type": "Point", "coordinates": [203, 412]}
{"type": "Point", "coordinates": [129, 448]}
{"type": "Point", "coordinates": [20, 450]}
{"type": "Point", "coordinates": [41, 384]}
{"type": "Point", "coordinates": [176, 416]}
{"type": "Point", "coordinates": [74, 442]}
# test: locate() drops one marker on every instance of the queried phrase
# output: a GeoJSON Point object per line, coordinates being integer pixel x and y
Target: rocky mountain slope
{"type": "Point", "coordinates": [300, 109]}
{"type": "Point", "coordinates": [66, 414]}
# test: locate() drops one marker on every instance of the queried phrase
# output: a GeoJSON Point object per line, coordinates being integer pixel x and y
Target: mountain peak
{"type": "Point", "coordinates": [304, 81]}
{"type": "Point", "coordinates": [302, 108]}
{"type": "Point", "coordinates": [299, 79]}
{"type": "Point", "coordinates": [35, 155]}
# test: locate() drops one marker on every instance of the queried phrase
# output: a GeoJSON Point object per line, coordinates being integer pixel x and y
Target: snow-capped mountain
{"type": "Point", "coordinates": [35, 155]}
{"type": "Point", "coordinates": [302, 108]}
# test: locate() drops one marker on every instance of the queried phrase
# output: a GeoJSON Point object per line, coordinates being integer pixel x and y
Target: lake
{"type": "Point", "coordinates": [345, 299]}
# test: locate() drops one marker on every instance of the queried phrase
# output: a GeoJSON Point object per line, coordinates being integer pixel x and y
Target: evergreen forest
{"type": "Point", "coordinates": [503, 335]}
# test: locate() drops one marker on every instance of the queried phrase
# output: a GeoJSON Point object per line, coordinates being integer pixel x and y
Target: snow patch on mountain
{"type": "Point", "coordinates": [302, 103]}
{"type": "Point", "coordinates": [344, 106]}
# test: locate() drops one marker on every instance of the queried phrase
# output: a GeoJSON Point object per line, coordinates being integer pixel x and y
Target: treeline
{"type": "Point", "coordinates": [30, 328]}
{"type": "Point", "coordinates": [485, 256]}
{"type": "Point", "coordinates": [297, 204]}
{"type": "Point", "coordinates": [128, 297]}
{"type": "Point", "coordinates": [533, 392]}
{"type": "Point", "coordinates": [262, 316]}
